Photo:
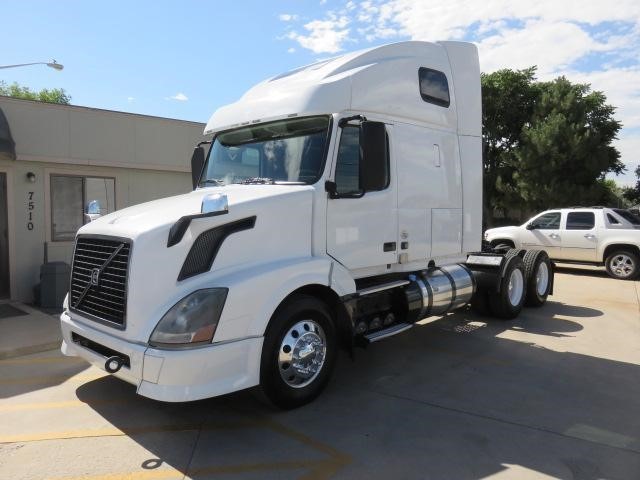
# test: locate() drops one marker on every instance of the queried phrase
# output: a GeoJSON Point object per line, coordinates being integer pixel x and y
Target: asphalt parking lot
{"type": "Point", "coordinates": [554, 394]}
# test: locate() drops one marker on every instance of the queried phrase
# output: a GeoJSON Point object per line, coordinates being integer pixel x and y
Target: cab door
{"type": "Point", "coordinates": [579, 237]}
{"type": "Point", "coordinates": [362, 228]}
{"type": "Point", "coordinates": [543, 232]}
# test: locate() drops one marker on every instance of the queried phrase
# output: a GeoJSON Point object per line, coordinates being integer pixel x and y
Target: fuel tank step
{"type": "Point", "coordinates": [387, 332]}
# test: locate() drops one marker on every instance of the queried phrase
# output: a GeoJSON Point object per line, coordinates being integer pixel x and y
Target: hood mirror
{"type": "Point", "coordinates": [92, 211]}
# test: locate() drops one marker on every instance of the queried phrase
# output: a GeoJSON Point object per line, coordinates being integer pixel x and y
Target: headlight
{"type": "Point", "coordinates": [192, 320]}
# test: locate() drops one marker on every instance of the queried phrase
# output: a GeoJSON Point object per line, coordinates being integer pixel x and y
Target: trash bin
{"type": "Point", "coordinates": [54, 284]}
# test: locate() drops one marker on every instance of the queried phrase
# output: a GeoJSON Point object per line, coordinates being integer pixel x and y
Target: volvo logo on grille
{"type": "Point", "coordinates": [95, 276]}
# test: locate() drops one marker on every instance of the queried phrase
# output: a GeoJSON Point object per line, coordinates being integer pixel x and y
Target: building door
{"type": "Point", "coordinates": [4, 238]}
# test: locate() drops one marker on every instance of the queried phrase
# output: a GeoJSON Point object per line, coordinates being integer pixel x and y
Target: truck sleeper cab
{"type": "Point", "coordinates": [338, 204]}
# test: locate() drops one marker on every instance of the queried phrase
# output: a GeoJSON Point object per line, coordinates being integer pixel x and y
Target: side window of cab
{"type": "Point", "coordinates": [547, 221]}
{"type": "Point", "coordinates": [347, 175]}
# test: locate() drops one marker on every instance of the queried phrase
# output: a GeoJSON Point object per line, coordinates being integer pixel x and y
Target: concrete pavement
{"type": "Point", "coordinates": [553, 394]}
{"type": "Point", "coordinates": [34, 332]}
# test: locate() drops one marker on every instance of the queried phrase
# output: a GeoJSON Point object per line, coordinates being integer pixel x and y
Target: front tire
{"type": "Point", "coordinates": [298, 353]}
{"type": "Point", "coordinates": [623, 264]}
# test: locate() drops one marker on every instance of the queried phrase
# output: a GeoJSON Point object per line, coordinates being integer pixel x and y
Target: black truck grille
{"type": "Point", "coordinates": [99, 278]}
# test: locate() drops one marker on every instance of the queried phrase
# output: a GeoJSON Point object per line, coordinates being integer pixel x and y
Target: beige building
{"type": "Point", "coordinates": [55, 159]}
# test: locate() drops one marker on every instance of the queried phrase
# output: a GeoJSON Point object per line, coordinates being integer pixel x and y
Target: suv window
{"type": "Point", "coordinates": [628, 216]}
{"type": "Point", "coordinates": [581, 220]}
{"type": "Point", "coordinates": [612, 220]}
{"type": "Point", "coordinates": [548, 221]}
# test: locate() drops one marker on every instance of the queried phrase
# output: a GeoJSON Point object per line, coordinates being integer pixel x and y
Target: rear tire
{"type": "Point", "coordinates": [623, 264]}
{"type": "Point", "coordinates": [299, 352]}
{"type": "Point", "coordinates": [539, 274]}
{"type": "Point", "coordinates": [507, 304]}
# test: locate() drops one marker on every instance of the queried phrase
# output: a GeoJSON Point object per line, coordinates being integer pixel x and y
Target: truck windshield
{"type": "Point", "coordinates": [285, 151]}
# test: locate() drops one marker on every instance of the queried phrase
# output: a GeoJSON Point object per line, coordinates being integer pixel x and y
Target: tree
{"type": "Point", "coordinates": [632, 194]}
{"type": "Point", "coordinates": [547, 144]}
{"type": "Point", "coordinates": [55, 95]}
{"type": "Point", "coordinates": [508, 99]}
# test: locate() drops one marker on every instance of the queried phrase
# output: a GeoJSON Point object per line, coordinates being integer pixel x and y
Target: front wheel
{"type": "Point", "coordinates": [623, 264]}
{"type": "Point", "coordinates": [298, 353]}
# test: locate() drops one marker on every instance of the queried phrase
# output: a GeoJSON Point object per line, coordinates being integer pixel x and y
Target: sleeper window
{"type": "Point", "coordinates": [434, 87]}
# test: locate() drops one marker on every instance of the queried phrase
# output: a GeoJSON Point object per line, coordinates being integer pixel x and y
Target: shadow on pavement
{"type": "Point", "coordinates": [34, 372]}
{"type": "Point", "coordinates": [584, 271]}
{"type": "Point", "coordinates": [450, 399]}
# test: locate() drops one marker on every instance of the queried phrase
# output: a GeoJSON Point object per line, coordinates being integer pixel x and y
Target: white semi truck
{"type": "Point", "coordinates": [338, 204]}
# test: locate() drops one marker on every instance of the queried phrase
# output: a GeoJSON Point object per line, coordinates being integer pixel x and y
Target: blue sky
{"type": "Point", "coordinates": [185, 59]}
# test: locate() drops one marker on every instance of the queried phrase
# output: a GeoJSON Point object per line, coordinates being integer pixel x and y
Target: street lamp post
{"type": "Point", "coordinates": [53, 64]}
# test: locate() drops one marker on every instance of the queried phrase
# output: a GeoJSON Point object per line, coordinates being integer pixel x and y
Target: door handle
{"type": "Point", "coordinates": [554, 235]}
{"type": "Point", "coordinates": [589, 235]}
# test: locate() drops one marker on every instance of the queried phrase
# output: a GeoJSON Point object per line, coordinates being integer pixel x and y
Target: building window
{"type": "Point", "coordinates": [434, 87]}
{"type": "Point", "coordinates": [69, 197]}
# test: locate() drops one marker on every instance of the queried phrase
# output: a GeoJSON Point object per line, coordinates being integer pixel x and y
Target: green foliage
{"type": "Point", "coordinates": [546, 144]}
{"type": "Point", "coordinates": [632, 194]}
{"type": "Point", "coordinates": [55, 95]}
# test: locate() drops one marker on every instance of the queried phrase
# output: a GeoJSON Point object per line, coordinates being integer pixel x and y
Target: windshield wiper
{"type": "Point", "coordinates": [268, 181]}
{"type": "Point", "coordinates": [257, 181]}
{"type": "Point", "coordinates": [212, 181]}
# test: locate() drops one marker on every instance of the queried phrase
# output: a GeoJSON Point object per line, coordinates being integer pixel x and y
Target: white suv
{"type": "Point", "coordinates": [596, 236]}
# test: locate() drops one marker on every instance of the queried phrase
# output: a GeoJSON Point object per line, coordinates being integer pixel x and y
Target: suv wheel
{"type": "Point", "coordinates": [623, 264]}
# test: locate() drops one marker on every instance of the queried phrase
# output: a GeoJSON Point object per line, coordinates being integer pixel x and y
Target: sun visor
{"type": "Point", "coordinates": [7, 145]}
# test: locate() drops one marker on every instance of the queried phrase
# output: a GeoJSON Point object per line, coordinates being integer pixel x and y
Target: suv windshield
{"type": "Point", "coordinates": [276, 152]}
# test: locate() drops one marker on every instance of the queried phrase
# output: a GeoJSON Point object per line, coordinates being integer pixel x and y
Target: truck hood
{"type": "Point", "coordinates": [146, 218]}
{"type": "Point", "coordinates": [154, 284]}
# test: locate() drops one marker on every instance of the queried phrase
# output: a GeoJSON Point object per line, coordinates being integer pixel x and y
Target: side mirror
{"type": "Point", "coordinates": [197, 162]}
{"type": "Point", "coordinates": [374, 163]}
{"type": "Point", "coordinates": [92, 211]}
{"type": "Point", "coordinates": [531, 226]}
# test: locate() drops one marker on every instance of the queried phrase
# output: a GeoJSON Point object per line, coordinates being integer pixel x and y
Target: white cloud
{"type": "Point", "coordinates": [130, 99]}
{"type": "Point", "coordinates": [181, 97]}
{"type": "Point", "coordinates": [291, 50]}
{"type": "Point", "coordinates": [324, 36]}
{"type": "Point", "coordinates": [628, 146]}
{"type": "Point", "coordinates": [287, 17]}
{"type": "Point", "coordinates": [585, 40]}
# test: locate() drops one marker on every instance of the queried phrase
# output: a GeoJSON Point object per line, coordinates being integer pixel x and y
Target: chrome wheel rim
{"type": "Point", "coordinates": [516, 287]}
{"type": "Point", "coordinates": [302, 354]}
{"type": "Point", "coordinates": [622, 265]}
{"type": "Point", "coordinates": [542, 278]}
